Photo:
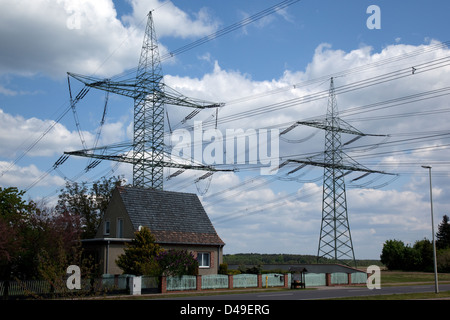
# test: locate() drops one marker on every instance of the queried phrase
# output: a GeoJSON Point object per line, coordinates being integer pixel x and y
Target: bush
{"type": "Point", "coordinates": [443, 260]}
{"type": "Point", "coordinates": [223, 268]}
{"type": "Point", "coordinates": [177, 263]}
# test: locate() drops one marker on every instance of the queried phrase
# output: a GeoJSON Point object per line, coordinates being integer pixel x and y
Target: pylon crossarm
{"type": "Point", "coordinates": [128, 88]}
{"type": "Point", "coordinates": [176, 98]}
{"type": "Point", "coordinates": [337, 166]}
{"type": "Point", "coordinates": [343, 127]}
{"type": "Point", "coordinates": [132, 160]}
{"type": "Point", "coordinates": [123, 88]}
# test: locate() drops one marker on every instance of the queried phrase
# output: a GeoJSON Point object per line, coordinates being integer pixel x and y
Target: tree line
{"type": "Point", "coordinates": [38, 241]}
{"type": "Point", "coordinates": [283, 258]}
{"type": "Point", "coordinates": [396, 255]}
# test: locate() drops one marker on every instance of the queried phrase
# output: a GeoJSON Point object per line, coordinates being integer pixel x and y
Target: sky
{"type": "Point", "coordinates": [391, 74]}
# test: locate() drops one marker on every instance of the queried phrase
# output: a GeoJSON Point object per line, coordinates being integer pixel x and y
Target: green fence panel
{"type": "Point", "coordinates": [359, 277]}
{"type": "Point", "coordinates": [315, 279]}
{"type": "Point", "coordinates": [273, 280]}
{"type": "Point", "coordinates": [339, 278]}
{"type": "Point", "coordinates": [245, 281]}
{"type": "Point", "coordinates": [182, 283]}
{"type": "Point", "coordinates": [215, 281]}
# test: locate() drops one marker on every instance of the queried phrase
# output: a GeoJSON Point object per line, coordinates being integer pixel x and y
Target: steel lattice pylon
{"type": "Point", "coordinates": [150, 96]}
{"type": "Point", "coordinates": [335, 240]}
{"type": "Point", "coordinates": [149, 114]}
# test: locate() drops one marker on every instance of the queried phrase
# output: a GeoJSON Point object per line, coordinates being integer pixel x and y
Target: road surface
{"type": "Point", "coordinates": [320, 293]}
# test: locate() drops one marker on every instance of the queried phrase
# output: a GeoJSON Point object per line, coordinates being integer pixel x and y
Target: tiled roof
{"type": "Point", "coordinates": [172, 217]}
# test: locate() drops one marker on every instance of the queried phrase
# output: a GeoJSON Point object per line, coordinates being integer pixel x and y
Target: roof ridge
{"type": "Point", "coordinates": [152, 189]}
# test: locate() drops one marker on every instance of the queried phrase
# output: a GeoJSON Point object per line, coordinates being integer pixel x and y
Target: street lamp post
{"type": "Point", "coordinates": [436, 288]}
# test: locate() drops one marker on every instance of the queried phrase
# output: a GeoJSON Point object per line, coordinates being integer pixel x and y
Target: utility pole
{"type": "Point", "coordinates": [436, 286]}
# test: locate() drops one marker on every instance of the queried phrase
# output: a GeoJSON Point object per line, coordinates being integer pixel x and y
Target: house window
{"type": "Point", "coordinates": [119, 228]}
{"type": "Point", "coordinates": [106, 228]}
{"type": "Point", "coordinates": [203, 259]}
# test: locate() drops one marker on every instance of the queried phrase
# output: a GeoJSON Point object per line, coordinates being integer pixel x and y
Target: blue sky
{"type": "Point", "coordinates": [289, 54]}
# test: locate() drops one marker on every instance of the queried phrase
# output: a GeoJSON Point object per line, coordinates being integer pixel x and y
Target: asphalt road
{"type": "Point", "coordinates": [320, 293]}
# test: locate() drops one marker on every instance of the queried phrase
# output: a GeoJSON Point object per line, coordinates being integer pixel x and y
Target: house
{"type": "Point", "coordinates": [177, 220]}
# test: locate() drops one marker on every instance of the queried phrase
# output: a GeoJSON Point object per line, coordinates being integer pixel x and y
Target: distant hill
{"type": "Point", "coordinates": [262, 259]}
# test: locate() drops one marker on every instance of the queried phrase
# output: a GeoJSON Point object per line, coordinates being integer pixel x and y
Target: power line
{"type": "Point", "coordinates": [233, 27]}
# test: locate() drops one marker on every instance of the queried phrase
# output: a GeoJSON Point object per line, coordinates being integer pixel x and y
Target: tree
{"type": "Point", "coordinates": [393, 254]}
{"type": "Point", "coordinates": [31, 235]}
{"type": "Point", "coordinates": [15, 225]}
{"type": "Point", "coordinates": [443, 260]}
{"type": "Point", "coordinates": [177, 263]}
{"type": "Point", "coordinates": [140, 255]}
{"type": "Point", "coordinates": [443, 234]}
{"type": "Point", "coordinates": [396, 256]}
{"type": "Point", "coordinates": [89, 204]}
{"type": "Point", "coordinates": [424, 249]}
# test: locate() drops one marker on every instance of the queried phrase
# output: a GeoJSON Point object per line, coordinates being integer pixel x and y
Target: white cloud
{"type": "Point", "coordinates": [18, 135]}
{"type": "Point", "coordinates": [53, 37]}
{"type": "Point", "coordinates": [24, 177]}
{"type": "Point", "coordinates": [172, 21]}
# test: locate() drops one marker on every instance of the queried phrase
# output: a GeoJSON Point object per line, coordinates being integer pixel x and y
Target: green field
{"type": "Point", "coordinates": [399, 277]}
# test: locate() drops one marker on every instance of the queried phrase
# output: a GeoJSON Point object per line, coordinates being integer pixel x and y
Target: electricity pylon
{"type": "Point", "coordinates": [150, 94]}
{"type": "Point", "coordinates": [335, 241]}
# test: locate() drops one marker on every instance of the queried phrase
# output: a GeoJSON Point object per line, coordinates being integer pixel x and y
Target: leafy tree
{"type": "Point", "coordinates": [396, 256]}
{"type": "Point", "coordinates": [15, 214]}
{"type": "Point", "coordinates": [424, 250]}
{"type": "Point", "coordinates": [393, 254]}
{"type": "Point", "coordinates": [177, 263]}
{"type": "Point", "coordinates": [89, 204]}
{"type": "Point", "coordinates": [140, 255]}
{"type": "Point", "coordinates": [31, 236]}
{"type": "Point", "coordinates": [443, 234]}
{"type": "Point", "coordinates": [443, 260]}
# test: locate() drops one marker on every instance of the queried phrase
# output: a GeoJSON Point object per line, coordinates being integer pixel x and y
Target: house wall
{"type": "Point", "coordinates": [110, 249]}
{"type": "Point", "coordinates": [115, 250]}
{"type": "Point", "coordinates": [115, 211]}
{"type": "Point", "coordinates": [215, 252]}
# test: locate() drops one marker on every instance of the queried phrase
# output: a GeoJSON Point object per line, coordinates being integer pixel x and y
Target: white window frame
{"type": "Point", "coordinates": [204, 260]}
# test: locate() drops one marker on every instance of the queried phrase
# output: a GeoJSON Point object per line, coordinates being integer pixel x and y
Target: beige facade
{"type": "Point", "coordinates": [107, 250]}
